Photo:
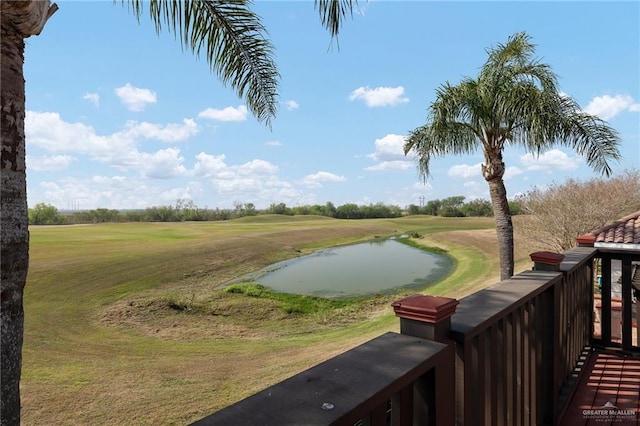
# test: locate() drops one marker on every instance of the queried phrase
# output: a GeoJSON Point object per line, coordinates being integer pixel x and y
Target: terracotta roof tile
{"type": "Point", "coordinates": [623, 231]}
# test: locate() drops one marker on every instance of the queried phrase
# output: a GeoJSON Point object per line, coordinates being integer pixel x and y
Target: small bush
{"type": "Point", "coordinates": [183, 303]}
{"type": "Point", "coordinates": [289, 303]}
{"type": "Point", "coordinates": [248, 289]}
{"type": "Point", "coordinates": [292, 308]}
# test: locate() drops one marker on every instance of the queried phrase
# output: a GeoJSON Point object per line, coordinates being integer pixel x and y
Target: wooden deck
{"type": "Point", "coordinates": [608, 392]}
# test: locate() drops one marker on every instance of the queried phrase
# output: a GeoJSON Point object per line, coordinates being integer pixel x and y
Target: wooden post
{"type": "Point", "coordinates": [427, 317]}
{"type": "Point", "coordinates": [587, 240]}
{"type": "Point", "coordinates": [546, 261]}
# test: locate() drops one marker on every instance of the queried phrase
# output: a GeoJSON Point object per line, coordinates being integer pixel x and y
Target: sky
{"type": "Point", "coordinates": [120, 117]}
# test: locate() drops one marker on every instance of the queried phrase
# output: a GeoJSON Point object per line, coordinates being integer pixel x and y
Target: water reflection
{"type": "Point", "coordinates": [361, 269]}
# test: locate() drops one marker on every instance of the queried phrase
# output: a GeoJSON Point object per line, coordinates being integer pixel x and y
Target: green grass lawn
{"type": "Point", "coordinates": [124, 324]}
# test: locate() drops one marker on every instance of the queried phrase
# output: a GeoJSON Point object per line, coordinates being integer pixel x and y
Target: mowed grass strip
{"type": "Point", "coordinates": [124, 324]}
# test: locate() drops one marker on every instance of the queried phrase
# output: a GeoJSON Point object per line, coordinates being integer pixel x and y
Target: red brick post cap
{"type": "Point", "coordinates": [425, 308]}
{"type": "Point", "coordinates": [587, 239]}
{"type": "Point", "coordinates": [547, 258]}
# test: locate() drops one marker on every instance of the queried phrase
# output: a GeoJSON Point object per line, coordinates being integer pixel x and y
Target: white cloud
{"type": "Point", "coordinates": [185, 192]}
{"type": "Point", "coordinates": [214, 166]}
{"type": "Point", "coordinates": [49, 163]}
{"type": "Point", "coordinates": [273, 143]}
{"type": "Point", "coordinates": [291, 105]}
{"type": "Point", "coordinates": [97, 191]}
{"type": "Point", "coordinates": [53, 192]}
{"type": "Point", "coordinates": [168, 133]}
{"type": "Point", "coordinates": [315, 180]}
{"type": "Point", "coordinates": [146, 178]}
{"type": "Point", "coordinates": [512, 171]}
{"type": "Point", "coordinates": [389, 165]}
{"type": "Point", "coordinates": [48, 131]}
{"type": "Point", "coordinates": [255, 181]}
{"type": "Point", "coordinates": [159, 180]}
{"type": "Point", "coordinates": [116, 180]}
{"type": "Point", "coordinates": [607, 107]}
{"type": "Point", "coordinates": [257, 167]}
{"type": "Point", "coordinates": [226, 114]}
{"type": "Point", "coordinates": [389, 153]}
{"type": "Point", "coordinates": [389, 148]}
{"type": "Point", "coordinates": [465, 171]}
{"type": "Point", "coordinates": [94, 98]}
{"type": "Point", "coordinates": [422, 186]}
{"type": "Point", "coordinates": [380, 96]}
{"type": "Point", "coordinates": [163, 164]}
{"type": "Point", "coordinates": [135, 98]}
{"type": "Point", "coordinates": [550, 161]}
{"type": "Point", "coordinates": [208, 165]}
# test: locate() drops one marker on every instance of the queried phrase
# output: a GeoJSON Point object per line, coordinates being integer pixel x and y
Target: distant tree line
{"type": "Point", "coordinates": [345, 211]}
{"type": "Point", "coordinates": [457, 207]}
{"type": "Point", "coordinates": [185, 210]}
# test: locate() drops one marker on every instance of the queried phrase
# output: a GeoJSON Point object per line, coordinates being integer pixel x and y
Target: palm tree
{"type": "Point", "coordinates": [227, 33]}
{"type": "Point", "coordinates": [514, 101]}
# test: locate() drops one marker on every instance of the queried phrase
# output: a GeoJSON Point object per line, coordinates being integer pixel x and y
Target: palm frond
{"type": "Point", "coordinates": [437, 140]}
{"type": "Point", "coordinates": [517, 50]}
{"type": "Point", "coordinates": [546, 119]}
{"type": "Point", "coordinates": [233, 40]}
{"type": "Point", "coordinates": [334, 12]}
{"type": "Point", "coordinates": [588, 135]}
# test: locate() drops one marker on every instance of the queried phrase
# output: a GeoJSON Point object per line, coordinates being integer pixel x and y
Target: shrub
{"type": "Point", "coordinates": [183, 303]}
{"type": "Point", "coordinates": [248, 289]}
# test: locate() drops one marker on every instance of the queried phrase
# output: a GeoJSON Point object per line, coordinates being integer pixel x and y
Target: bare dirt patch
{"type": "Point", "coordinates": [230, 316]}
{"type": "Point", "coordinates": [485, 241]}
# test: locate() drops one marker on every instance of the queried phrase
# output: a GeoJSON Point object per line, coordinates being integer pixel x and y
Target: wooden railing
{"type": "Point", "coordinates": [519, 342]}
{"type": "Point", "coordinates": [506, 355]}
{"type": "Point", "coordinates": [391, 379]}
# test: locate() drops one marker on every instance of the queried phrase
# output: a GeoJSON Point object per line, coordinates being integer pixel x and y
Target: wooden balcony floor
{"type": "Point", "coordinates": [608, 392]}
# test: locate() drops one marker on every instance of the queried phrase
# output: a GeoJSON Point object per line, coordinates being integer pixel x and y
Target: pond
{"type": "Point", "coordinates": [382, 266]}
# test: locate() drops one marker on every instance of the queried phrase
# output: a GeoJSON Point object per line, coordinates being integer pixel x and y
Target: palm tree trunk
{"type": "Point", "coordinates": [14, 233]}
{"type": "Point", "coordinates": [19, 20]}
{"type": "Point", "coordinates": [493, 171]}
{"type": "Point", "coordinates": [504, 226]}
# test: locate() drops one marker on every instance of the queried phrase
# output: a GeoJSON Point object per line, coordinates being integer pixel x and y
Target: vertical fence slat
{"type": "Point", "coordinates": [402, 407]}
{"type": "Point", "coordinates": [605, 301]}
{"type": "Point", "coordinates": [378, 416]}
{"type": "Point", "coordinates": [548, 352]}
{"type": "Point", "coordinates": [519, 364]}
{"type": "Point", "coordinates": [473, 389]}
{"type": "Point", "coordinates": [461, 391]}
{"type": "Point", "coordinates": [626, 305]}
{"type": "Point", "coordinates": [445, 388]}
{"type": "Point", "coordinates": [497, 375]}
{"type": "Point", "coordinates": [508, 350]}
{"type": "Point", "coordinates": [481, 395]}
{"type": "Point", "coordinates": [526, 369]}
{"type": "Point", "coordinates": [533, 360]}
